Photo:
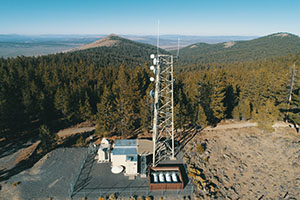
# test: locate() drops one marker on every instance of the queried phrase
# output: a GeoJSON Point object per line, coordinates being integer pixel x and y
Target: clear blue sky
{"type": "Point", "coordinates": [189, 17]}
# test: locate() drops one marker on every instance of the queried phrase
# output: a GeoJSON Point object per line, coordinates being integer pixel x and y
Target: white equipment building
{"type": "Point", "coordinates": [128, 156]}
{"type": "Point", "coordinates": [125, 155]}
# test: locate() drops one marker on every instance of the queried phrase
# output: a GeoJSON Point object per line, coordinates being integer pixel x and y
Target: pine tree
{"type": "Point", "coordinates": [124, 106]}
{"type": "Point", "coordinates": [182, 115]}
{"type": "Point", "coordinates": [266, 115]}
{"type": "Point", "coordinates": [243, 110]}
{"type": "Point", "coordinates": [4, 125]}
{"type": "Point", "coordinates": [62, 102]}
{"type": "Point", "coordinates": [201, 117]}
{"type": "Point", "coordinates": [47, 138]}
{"type": "Point", "coordinates": [236, 113]}
{"type": "Point", "coordinates": [85, 109]}
{"type": "Point", "coordinates": [217, 105]}
{"type": "Point", "coordinates": [106, 111]}
{"type": "Point", "coordinates": [146, 109]}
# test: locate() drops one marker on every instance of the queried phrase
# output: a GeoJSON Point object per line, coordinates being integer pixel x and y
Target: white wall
{"type": "Point", "coordinates": [118, 160]}
{"type": "Point", "coordinates": [131, 168]}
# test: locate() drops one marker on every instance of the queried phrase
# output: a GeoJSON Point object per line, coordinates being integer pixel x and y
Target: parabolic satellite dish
{"type": "Point", "coordinates": [117, 169]}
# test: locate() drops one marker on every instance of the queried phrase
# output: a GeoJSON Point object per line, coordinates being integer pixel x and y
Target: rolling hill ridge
{"type": "Point", "coordinates": [114, 50]}
{"type": "Point", "coordinates": [274, 45]}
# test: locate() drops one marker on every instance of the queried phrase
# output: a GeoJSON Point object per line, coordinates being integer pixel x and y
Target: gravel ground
{"type": "Point", "coordinates": [8, 157]}
{"type": "Point", "coordinates": [49, 177]}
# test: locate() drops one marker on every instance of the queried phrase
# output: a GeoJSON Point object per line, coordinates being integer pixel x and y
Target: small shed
{"type": "Point", "coordinates": [103, 154]}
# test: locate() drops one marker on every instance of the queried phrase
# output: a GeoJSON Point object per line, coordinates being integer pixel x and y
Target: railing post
{"type": "Point", "coordinates": [71, 191]}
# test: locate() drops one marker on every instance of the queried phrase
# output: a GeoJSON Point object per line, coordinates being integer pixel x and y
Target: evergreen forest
{"type": "Point", "coordinates": [110, 86]}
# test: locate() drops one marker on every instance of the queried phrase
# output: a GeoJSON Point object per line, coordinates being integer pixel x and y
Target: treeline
{"type": "Point", "coordinates": [51, 92]}
{"type": "Point", "coordinates": [257, 90]}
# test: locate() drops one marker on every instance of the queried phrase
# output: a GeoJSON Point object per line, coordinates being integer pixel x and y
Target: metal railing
{"type": "Point", "coordinates": [91, 149]}
{"type": "Point", "coordinates": [134, 191]}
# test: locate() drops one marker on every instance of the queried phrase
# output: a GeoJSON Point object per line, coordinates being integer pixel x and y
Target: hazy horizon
{"type": "Point", "coordinates": [133, 17]}
{"type": "Point", "coordinates": [133, 34]}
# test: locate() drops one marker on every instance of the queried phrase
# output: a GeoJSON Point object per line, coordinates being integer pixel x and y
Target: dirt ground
{"type": "Point", "coordinates": [238, 161]}
{"type": "Point", "coordinates": [71, 131]}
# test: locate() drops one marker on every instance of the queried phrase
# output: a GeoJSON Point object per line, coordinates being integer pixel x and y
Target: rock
{"type": "Point", "coordinates": [226, 179]}
{"type": "Point", "coordinates": [218, 179]}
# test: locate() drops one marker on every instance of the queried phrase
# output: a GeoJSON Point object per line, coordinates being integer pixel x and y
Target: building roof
{"type": "Point", "coordinates": [124, 151]}
{"type": "Point", "coordinates": [133, 147]}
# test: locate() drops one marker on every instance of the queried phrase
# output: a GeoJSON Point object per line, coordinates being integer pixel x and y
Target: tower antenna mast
{"type": "Point", "coordinates": [163, 114]}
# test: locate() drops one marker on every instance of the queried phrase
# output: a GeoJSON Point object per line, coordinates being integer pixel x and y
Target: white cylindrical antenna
{"type": "Point", "coordinates": [152, 93]}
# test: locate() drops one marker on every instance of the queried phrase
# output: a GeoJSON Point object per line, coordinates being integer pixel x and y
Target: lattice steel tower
{"type": "Point", "coordinates": [163, 115]}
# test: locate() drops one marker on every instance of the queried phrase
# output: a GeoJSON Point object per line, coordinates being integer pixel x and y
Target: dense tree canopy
{"type": "Point", "coordinates": [63, 89]}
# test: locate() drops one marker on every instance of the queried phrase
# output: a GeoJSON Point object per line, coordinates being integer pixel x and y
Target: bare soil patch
{"type": "Point", "coordinates": [241, 162]}
{"type": "Point", "coordinates": [27, 152]}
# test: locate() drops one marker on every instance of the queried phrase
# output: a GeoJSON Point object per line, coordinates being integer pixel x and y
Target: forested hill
{"type": "Point", "coordinates": [63, 89]}
{"type": "Point", "coordinates": [110, 86]}
{"type": "Point", "coordinates": [114, 50]}
{"type": "Point", "coordinates": [275, 45]}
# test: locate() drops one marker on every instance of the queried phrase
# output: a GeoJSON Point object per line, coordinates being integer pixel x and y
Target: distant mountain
{"type": "Point", "coordinates": [111, 40]}
{"type": "Point", "coordinates": [114, 50]}
{"type": "Point", "coordinates": [170, 42]}
{"type": "Point", "coordinates": [278, 44]}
